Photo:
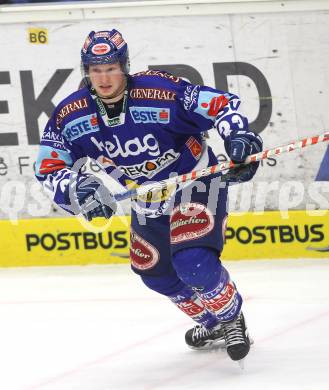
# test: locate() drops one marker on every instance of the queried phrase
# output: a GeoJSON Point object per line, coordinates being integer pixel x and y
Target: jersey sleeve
{"type": "Point", "coordinates": [54, 164]}
{"type": "Point", "coordinates": [207, 107]}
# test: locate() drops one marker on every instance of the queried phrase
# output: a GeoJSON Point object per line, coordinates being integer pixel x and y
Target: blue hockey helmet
{"type": "Point", "coordinates": [105, 47]}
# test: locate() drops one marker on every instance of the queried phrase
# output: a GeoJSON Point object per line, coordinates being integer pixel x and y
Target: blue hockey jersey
{"type": "Point", "coordinates": [159, 131]}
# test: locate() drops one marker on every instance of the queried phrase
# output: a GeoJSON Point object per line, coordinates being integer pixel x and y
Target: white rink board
{"type": "Point", "coordinates": [291, 50]}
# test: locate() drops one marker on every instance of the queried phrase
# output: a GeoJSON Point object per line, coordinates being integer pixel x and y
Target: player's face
{"type": "Point", "coordinates": [108, 80]}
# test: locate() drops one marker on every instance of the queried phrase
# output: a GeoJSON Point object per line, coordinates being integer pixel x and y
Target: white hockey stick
{"type": "Point", "coordinates": [154, 187]}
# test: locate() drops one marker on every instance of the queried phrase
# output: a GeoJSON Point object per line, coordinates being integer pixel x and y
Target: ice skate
{"type": "Point", "coordinates": [201, 338]}
{"type": "Point", "coordinates": [237, 341]}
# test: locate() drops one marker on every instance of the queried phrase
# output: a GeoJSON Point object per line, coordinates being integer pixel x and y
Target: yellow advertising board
{"type": "Point", "coordinates": [69, 241]}
{"type": "Point", "coordinates": [271, 235]}
{"type": "Point", "coordinates": [63, 241]}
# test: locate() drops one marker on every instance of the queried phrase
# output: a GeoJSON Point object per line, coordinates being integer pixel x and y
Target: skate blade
{"type": "Point", "coordinates": [215, 345]}
{"type": "Point", "coordinates": [241, 364]}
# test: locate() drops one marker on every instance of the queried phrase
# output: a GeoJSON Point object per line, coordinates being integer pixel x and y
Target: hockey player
{"type": "Point", "coordinates": [147, 126]}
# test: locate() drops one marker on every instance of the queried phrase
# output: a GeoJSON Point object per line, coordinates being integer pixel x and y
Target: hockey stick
{"type": "Point", "coordinates": [154, 187]}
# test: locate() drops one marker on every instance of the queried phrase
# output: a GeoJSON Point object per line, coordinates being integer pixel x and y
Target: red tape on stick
{"type": "Point", "coordinates": [222, 167]}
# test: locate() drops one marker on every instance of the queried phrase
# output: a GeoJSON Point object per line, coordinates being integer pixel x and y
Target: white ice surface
{"type": "Point", "coordinates": [99, 328]}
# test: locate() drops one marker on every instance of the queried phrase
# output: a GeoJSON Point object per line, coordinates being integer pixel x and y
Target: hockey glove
{"type": "Point", "coordinates": [239, 145]}
{"type": "Point", "coordinates": [93, 198]}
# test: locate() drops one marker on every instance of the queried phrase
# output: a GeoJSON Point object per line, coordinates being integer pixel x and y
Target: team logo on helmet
{"type": "Point", "coordinates": [86, 44]}
{"type": "Point", "coordinates": [102, 34]}
{"type": "Point", "coordinates": [118, 40]}
{"type": "Point", "coordinates": [101, 49]}
{"type": "Point", "coordinates": [104, 47]}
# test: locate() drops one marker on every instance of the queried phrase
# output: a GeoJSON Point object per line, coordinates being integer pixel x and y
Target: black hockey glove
{"type": "Point", "coordinates": [92, 198]}
{"type": "Point", "coordinates": [239, 145]}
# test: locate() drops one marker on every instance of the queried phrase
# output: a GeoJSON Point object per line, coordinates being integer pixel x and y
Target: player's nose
{"type": "Point", "coordinates": [104, 77]}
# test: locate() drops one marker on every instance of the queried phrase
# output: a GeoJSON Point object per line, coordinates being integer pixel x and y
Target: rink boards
{"type": "Point", "coordinates": [275, 61]}
{"type": "Point", "coordinates": [69, 241]}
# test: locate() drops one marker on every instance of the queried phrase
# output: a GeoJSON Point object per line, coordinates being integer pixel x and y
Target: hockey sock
{"type": "Point", "coordinates": [224, 300]}
{"type": "Point", "coordinates": [182, 296]}
{"type": "Point", "coordinates": [189, 302]}
{"type": "Point", "coordinates": [201, 269]}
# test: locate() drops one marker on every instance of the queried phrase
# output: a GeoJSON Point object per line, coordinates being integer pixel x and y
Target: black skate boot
{"type": "Point", "coordinates": [200, 337]}
{"type": "Point", "coordinates": [237, 341]}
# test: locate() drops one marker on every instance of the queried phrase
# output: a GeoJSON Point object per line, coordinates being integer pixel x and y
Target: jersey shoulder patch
{"type": "Point", "coordinates": [151, 86]}
{"type": "Point", "coordinates": [72, 104]}
{"type": "Point", "coordinates": [156, 75]}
